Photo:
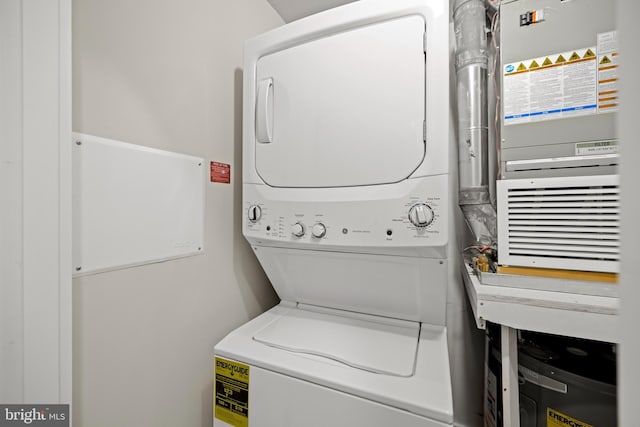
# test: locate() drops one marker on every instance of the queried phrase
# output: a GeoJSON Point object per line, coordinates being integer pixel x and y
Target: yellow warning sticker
{"type": "Point", "coordinates": [605, 60]}
{"type": "Point", "coordinates": [231, 394]}
{"type": "Point", "coordinates": [551, 87]}
{"type": "Point", "coordinates": [558, 419]}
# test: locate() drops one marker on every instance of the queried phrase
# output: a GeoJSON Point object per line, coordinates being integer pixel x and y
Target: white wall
{"type": "Point", "coordinates": [165, 74]}
{"type": "Point", "coordinates": [628, 367]}
{"type": "Point", "coordinates": [35, 201]}
{"type": "Point", "coordinates": [290, 10]}
{"type": "Point", "coordinates": [11, 367]}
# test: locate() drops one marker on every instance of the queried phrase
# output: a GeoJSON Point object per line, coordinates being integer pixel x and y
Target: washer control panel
{"type": "Point", "coordinates": [415, 217]}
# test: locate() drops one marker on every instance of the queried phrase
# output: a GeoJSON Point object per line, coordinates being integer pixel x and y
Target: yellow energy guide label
{"type": "Point", "coordinates": [558, 419]}
{"type": "Point", "coordinates": [231, 403]}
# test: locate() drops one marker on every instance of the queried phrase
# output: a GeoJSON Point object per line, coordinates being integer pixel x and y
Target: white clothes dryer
{"type": "Point", "coordinates": [348, 204]}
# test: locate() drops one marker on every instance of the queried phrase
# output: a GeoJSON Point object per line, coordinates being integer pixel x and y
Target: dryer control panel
{"type": "Point", "coordinates": [408, 218]}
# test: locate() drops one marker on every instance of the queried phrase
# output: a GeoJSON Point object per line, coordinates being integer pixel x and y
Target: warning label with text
{"type": "Point", "coordinates": [220, 172]}
{"type": "Point", "coordinates": [231, 395]}
{"type": "Point", "coordinates": [555, 86]}
{"type": "Point", "coordinates": [608, 65]}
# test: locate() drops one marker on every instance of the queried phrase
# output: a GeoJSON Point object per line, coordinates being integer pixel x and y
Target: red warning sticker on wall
{"type": "Point", "coordinates": [220, 172]}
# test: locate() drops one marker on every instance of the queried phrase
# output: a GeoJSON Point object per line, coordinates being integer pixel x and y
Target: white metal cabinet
{"type": "Point", "coordinates": [290, 402]}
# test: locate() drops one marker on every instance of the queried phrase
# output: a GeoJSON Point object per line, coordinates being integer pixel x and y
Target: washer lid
{"type": "Point", "coordinates": [385, 346]}
{"type": "Point", "coordinates": [343, 110]}
{"type": "Point", "coordinates": [427, 392]}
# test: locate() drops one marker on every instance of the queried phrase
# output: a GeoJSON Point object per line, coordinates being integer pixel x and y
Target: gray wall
{"type": "Point", "coordinates": [164, 74]}
{"type": "Point", "coordinates": [628, 367]}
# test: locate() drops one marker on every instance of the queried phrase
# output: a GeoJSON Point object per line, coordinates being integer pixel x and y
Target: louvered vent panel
{"type": "Point", "coordinates": [569, 223]}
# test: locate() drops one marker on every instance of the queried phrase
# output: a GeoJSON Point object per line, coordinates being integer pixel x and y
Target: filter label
{"type": "Point", "coordinates": [596, 148]}
{"type": "Point", "coordinates": [231, 394]}
{"type": "Point", "coordinates": [558, 419]}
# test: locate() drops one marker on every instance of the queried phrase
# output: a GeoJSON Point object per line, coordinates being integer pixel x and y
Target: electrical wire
{"type": "Point", "coordinates": [495, 26]}
{"type": "Point", "coordinates": [480, 249]}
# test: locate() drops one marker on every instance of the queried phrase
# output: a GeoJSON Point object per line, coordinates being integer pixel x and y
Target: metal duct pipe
{"type": "Point", "coordinates": [492, 6]}
{"type": "Point", "coordinates": [471, 71]}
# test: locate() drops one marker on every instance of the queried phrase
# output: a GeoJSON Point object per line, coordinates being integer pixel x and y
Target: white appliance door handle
{"type": "Point", "coordinates": [264, 111]}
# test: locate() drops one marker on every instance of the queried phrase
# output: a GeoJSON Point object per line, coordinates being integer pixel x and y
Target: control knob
{"type": "Point", "coordinates": [421, 215]}
{"type": "Point", "coordinates": [319, 230]}
{"type": "Point", "coordinates": [254, 213]}
{"type": "Point", "coordinates": [297, 229]}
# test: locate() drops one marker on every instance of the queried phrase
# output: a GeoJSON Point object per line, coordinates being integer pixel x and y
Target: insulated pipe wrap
{"type": "Point", "coordinates": [471, 37]}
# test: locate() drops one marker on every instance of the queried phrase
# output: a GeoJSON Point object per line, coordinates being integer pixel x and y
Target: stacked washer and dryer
{"type": "Point", "coordinates": [349, 204]}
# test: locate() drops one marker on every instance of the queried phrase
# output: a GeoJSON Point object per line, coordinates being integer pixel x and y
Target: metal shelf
{"type": "Point", "coordinates": [524, 304]}
{"type": "Point", "coordinates": [541, 305]}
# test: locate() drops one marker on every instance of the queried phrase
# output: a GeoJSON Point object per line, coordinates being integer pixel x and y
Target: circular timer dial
{"type": "Point", "coordinates": [421, 215]}
{"type": "Point", "coordinates": [254, 213]}
{"type": "Point", "coordinates": [319, 230]}
{"type": "Point", "coordinates": [297, 229]}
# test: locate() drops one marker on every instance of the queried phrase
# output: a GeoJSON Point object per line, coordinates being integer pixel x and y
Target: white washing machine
{"type": "Point", "coordinates": [348, 196]}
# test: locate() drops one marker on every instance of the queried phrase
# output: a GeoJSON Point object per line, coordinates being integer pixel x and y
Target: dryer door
{"type": "Point", "coordinates": [343, 110]}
